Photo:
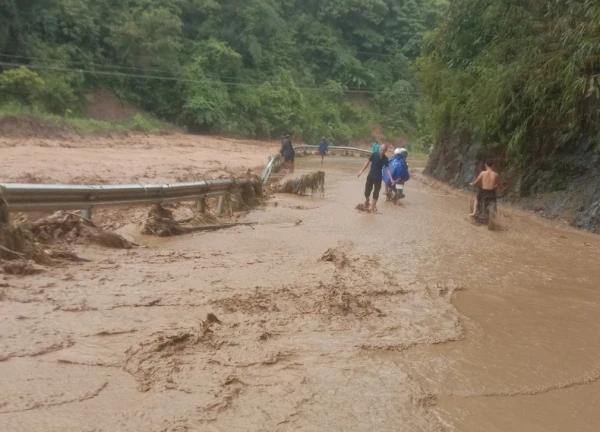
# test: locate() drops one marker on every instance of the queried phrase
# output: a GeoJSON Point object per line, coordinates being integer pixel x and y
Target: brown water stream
{"type": "Point", "coordinates": [328, 320]}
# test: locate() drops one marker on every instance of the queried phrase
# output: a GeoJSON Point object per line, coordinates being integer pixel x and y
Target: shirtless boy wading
{"type": "Point", "coordinates": [488, 180]}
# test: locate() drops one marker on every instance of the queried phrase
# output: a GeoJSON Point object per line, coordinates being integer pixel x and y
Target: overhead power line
{"type": "Point", "coordinates": [146, 71]}
{"type": "Point", "coordinates": [48, 60]}
{"type": "Point", "coordinates": [111, 66]}
{"type": "Point", "coordinates": [373, 54]}
{"type": "Point", "coordinates": [174, 79]}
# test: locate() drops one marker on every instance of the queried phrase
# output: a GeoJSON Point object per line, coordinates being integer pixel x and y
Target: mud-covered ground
{"type": "Point", "coordinates": [560, 183]}
{"type": "Point", "coordinates": [133, 159]}
{"type": "Point", "coordinates": [319, 318]}
{"type": "Point", "coordinates": [136, 159]}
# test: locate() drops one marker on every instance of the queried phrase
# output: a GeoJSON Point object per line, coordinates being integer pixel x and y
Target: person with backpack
{"type": "Point", "coordinates": [376, 147]}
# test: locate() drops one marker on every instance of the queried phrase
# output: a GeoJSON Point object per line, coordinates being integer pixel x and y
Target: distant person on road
{"type": "Point", "coordinates": [398, 169]}
{"type": "Point", "coordinates": [323, 148]}
{"type": "Point", "coordinates": [288, 153]}
{"type": "Point", "coordinates": [488, 182]}
{"type": "Point", "coordinates": [378, 162]}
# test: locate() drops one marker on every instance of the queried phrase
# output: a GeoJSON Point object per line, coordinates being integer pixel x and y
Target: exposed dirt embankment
{"type": "Point", "coordinates": [564, 184]}
{"type": "Point", "coordinates": [29, 126]}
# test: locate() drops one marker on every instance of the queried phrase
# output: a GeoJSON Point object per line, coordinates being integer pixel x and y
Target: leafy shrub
{"type": "Point", "coordinates": [51, 93]}
{"type": "Point", "coordinates": [58, 95]}
{"type": "Point", "coordinates": [21, 85]}
{"type": "Point", "coordinates": [139, 123]}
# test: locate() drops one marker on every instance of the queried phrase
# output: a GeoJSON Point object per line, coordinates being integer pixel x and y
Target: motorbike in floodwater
{"type": "Point", "coordinates": [396, 192]}
{"type": "Point", "coordinates": [486, 213]}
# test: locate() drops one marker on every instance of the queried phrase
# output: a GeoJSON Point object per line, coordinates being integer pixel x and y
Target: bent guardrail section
{"type": "Point", "coordinates": [335, 149]}
{"type": "Point", "coordinates": [18, 197]}
{"type": "Point", "coordinates": [35, 197]}
{"type": "Point", "coordinates": [274, 163]}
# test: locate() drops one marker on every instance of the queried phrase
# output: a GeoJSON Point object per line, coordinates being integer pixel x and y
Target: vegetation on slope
{"type": "Point", "coordinates": [519, 76]}
{"type": "Point", "coordinates": [257, 68]}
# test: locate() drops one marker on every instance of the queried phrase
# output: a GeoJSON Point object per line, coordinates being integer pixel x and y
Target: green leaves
{"type": "Point", "coordinates": [219, 59]}
{"type": "Point", "coordinates": [147, 38]}
{"type": "Point", "coordinates": [519, 75]}
{"type": "Point", "coordinates": [399, 105]}
{"type": "Point", "coordinates": [53, 93]}
{"type": "Point", "coordinates": [21, 85]}
{"type": "Point", "coordinates": [250, 67]}
{"type": "Point", "coordinates": [207, 101]}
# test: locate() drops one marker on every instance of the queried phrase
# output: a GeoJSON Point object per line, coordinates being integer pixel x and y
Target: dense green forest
{"type": "Point", "coordinates": [520, 77]}
{"type": "Point", "coordinates": [257, 68]}
{"type": "Point", "coordinates": [516, 75]}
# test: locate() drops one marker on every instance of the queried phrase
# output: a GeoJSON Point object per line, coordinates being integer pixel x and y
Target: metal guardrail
{"type": "Point", "coordinates": [277, 160]}
{"type": "Point", "coordinates": [35, 197]}
{"type": "Point", "coordinates": [335, 149]}
{"type": "Point", "coordinates": [274, 163]}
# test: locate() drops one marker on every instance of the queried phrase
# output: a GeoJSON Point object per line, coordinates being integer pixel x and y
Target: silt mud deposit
{"type": "Point", "coordinates": [317, 318]}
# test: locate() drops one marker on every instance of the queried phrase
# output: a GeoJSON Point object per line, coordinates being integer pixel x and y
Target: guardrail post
{"type": "Point", "coordinates": [201, 205]}
{"type": "Point", "coordinates": [86, 213]}
{"type": "Point", "coordinates": [220, 205]}
{"type": "Point", "coordinates": [3, 213]}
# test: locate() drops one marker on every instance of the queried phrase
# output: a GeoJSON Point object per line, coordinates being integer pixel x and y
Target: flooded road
{"type": "Point", "coordinates": [321, 318]}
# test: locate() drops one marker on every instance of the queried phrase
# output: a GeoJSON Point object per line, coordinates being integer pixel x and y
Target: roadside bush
{"type": "Point", "coordinates": [51, 93]}
{"type": "Point", "coordinates": [140, 123]}
{"type": "Point", "coordinates": [21, 86]}
{"type": "Point", "coordinates": [58, 96]}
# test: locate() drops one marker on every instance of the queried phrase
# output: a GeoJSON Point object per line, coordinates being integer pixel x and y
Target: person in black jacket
{"type": "Point", "coordinates": [288, 153]}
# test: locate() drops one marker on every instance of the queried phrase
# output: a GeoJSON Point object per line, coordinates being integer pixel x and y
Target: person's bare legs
{"type": "Point", "coordinates": [374, 207]}
{"type": "Point", "coordinates": [376, 193]}
{"type": "Point", "coordinates": [475, 205]}
{"type": "Point", "coordinates": [322, 158]}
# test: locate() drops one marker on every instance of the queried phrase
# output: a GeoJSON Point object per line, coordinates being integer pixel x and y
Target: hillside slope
{"type": "Point", "coordinates": [520, 82]}
{"type": "Point", "coordinates": [563, 185]}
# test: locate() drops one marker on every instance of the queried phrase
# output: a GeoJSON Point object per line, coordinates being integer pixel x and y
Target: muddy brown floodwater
{"type": "Point", "coordinates": [132, 159]}
{"type": "Point", "coordinates": [320, 318]}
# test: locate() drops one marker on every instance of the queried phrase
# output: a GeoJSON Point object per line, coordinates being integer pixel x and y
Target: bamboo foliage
{"type": "Point", "coordinates": [523, 76]}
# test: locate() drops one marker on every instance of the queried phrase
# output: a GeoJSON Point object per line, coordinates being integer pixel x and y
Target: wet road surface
{"type": "Point", "coordinates": [325, 319]}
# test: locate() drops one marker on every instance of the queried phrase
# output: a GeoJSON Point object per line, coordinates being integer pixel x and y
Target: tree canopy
{"type": "Point", "coordinates": [249, 67]}
{"type": "Point", "coordinates": [521, 76]}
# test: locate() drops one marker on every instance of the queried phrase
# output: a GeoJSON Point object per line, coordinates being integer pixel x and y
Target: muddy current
{"type": "Point", "coordinates": [319, 318]}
